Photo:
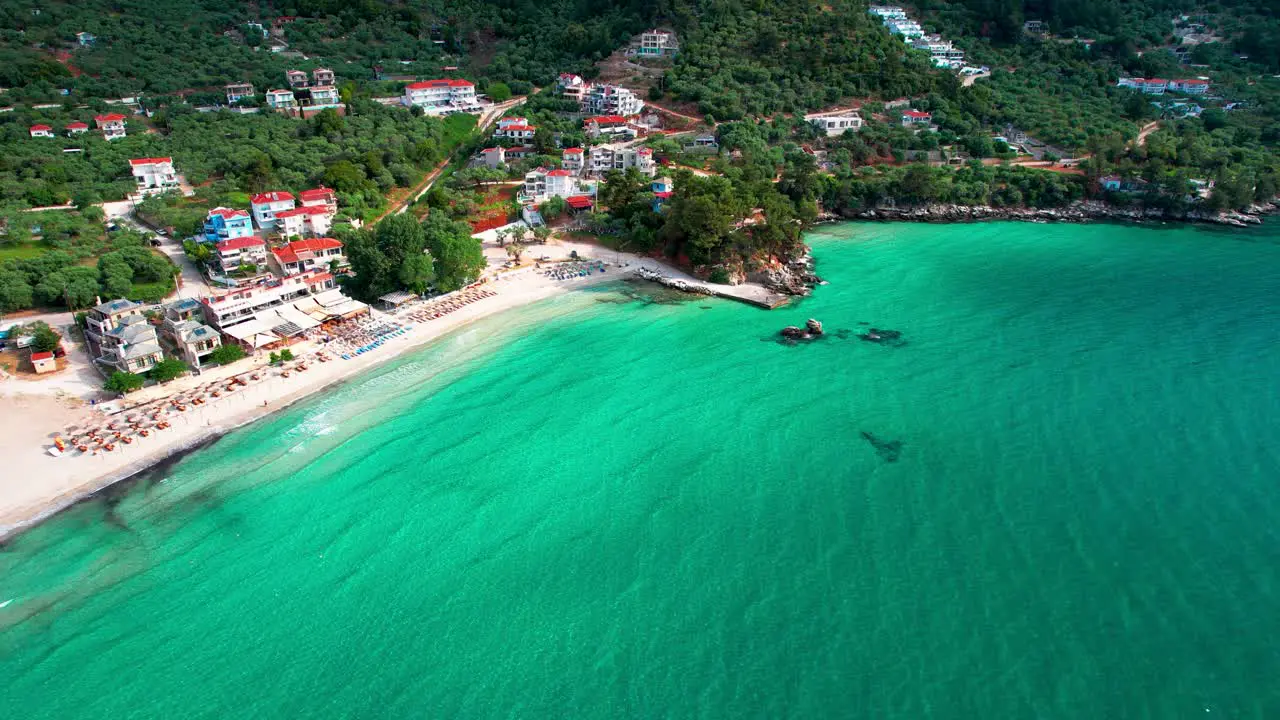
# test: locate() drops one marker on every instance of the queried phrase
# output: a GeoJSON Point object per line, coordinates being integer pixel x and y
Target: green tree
{"type": "Point", "coordinates": [227, 354]}
{"type": "Point", "coordinates": [459, 258]}
{"type": "Point", "coordinates": [390, 257]}
{"type": "Point", "coordinates": [123, 382]}
{"type": "Point", "coordinates": [168, 369]}
{"type": "Point", "coordinates": [499, 92]}
{"type": "Point", "coordinates": [515, 250]}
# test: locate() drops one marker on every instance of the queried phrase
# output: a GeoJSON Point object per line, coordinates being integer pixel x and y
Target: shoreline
{"type": "Point", "coordinates": [41, 485]}
{"type": "Point", "coordinates": [1077, 212]}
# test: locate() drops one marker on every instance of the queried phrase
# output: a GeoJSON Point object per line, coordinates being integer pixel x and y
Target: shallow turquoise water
{"type": "Point", "coordinates": [603, 508]}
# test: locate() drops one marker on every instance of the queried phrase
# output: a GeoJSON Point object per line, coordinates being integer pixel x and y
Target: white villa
{"type": "Point", "coordinates": [111, 125]}
{"type": "Point", "coordinates": [154, 175]}
{"type": "Point", "coordinates": [515, 128]}
{"type": "Point", "coordinates": [281, 100]}
{"type": "Point", "coordinates": [126, 341]}
{"type": "Point", "coordinates": [41, 131]}
{"type": "Point", "coordinates": [442, 97]}
{"type": "Point", "coordinates": [266, 205]}
{"type": "Point", "coordinates": [541, 184]}
{"type": "Point", "coordinates": [184, 326]}
{"type": "Point", "coordinates": [603, 158]}
{"type": "Point", "coordinates": [657, 43]}
{"type": "Point", "coordinates": [611, 100]}
{"type": "Point", "coordinates": [239, 91]}
{"type": "Point", "coordinates": [836, 124]}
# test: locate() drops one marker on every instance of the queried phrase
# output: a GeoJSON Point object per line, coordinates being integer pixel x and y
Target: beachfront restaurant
{"type": "Point", "coordinates": [286, 324]}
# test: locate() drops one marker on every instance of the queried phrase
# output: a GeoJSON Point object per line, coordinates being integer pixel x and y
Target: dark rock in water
{"type": "Point", "coordinates": [888, 450]}
{"type": "Point", "coordinates": [813, 326]}
{"type": "Point", "coordinates": [791, 332]}
{"type": "Point", "coordinates": [892, 338]}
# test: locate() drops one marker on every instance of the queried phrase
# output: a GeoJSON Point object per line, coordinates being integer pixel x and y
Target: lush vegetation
{"type": "Point", "coordinates": [227, 354]}
{"type": "Point", "coordinates": [401, 253]}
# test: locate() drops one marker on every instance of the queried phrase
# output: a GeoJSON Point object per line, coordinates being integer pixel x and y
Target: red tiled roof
{"type": "Point", "coordinates": [514, 121]}
{"type": "Point", "coordinates": [149, 161]}
{"type": "Point", "coordinates": [516, 128]}
{"type": "Point", "coordinates": [573, 151]}
{"type": "Point", "coordinates": [319, 278]}
{"type": "Point", "coordinates": [239, 243]}
{"type": "Point", "coordinates": [443, 82]}
{"type": "Point", "coordinates": [77, 126]}
{"type": "Point", "coordinates": [559, 173]}
{"type": "Point", "coordinates": [304, 210]}
{"type": "Point", "coordinates": [915, 114]}
{"type": "Point", "coordinates": [663, 194]}
{"type": "Point", "coordinates": [645, 151]}
{"type": "Point", "coordinates": [229, 213]}
{"type": "Point", "coordinates": [113, 117]}
{"type": "Point", "coordinates": [579, 202]}
{"type": "Point", "coordinates": [1191, 82]}
{"type": "Point", "coordinates": [605, 120]}
{"type": "Point", "coordinates": [320, 193]}
{"type": "Point", "coordinates": [491, 150]}
{"type": "Point", "coordinates": [37, 128]}
{"type": "Point", "coordinates": [41, 356]}
{"type": "Point", "coordinates": [270, 197]}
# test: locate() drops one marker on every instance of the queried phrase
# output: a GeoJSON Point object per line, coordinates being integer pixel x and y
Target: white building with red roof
{"type": "Point", "coordinates": [319, 197]}
{"type": "Point", "coordinates": [542, 183]}
{"type": "Point", "coordinates": [1150, 86]}
{"type": "Point", "coordinates": [111, 125]}
{"type": "Point", "coordinates": [154, 174]}
{"type": "Point", "coordinates": [610, 126]}
{"type": "Point", "coordinates": [266, 205]}
{"type": "Point", "coordinates": [493, 157]}
{"type": "Point", "coordinates": [515, 128]}
{"type": "Point", "coordinates": [311, 254]}
{"type": "Point", "coordinates": [304, 221]}
{"type": "Point", "coordinates": [41, 131]}
{"type": "Point", "coordinates": [1190, 86]}
{"type": "Point", "coordinates": [77, 128]}
{"type": "Point", "coordinates": [604, 158]}
{"type": "Point", "coordinates": [573, 159]}
{"type": "Point", "coordinates": [232, 253]}
{"type": "Point", "coordinates": [916, 117]}
{"type": "Point", "coordinates": [444, 96]}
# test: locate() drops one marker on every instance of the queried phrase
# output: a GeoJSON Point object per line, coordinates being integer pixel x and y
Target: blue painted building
{"type": "Point", "coordinates": [661, 188]}
{"type": "Point", "coordinates": [227, 224]}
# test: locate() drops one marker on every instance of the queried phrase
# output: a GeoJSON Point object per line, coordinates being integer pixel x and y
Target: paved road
{"type": "Point", "coordinates": [191, 284]}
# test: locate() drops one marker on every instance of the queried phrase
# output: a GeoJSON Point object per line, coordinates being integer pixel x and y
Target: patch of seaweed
{"type": "Point", "coordinates": [888, 450]}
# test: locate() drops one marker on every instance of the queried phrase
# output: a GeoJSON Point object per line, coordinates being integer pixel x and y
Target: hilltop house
{"type": "Point", "coordinates": [836, 124]}
{"type": "Point", "coordinates": [1150, 86]}
{"type": "Point", "coordinates": [304, 221]}
{"type": "Point", "coordinates": [281, 100]}
{"type": "Point", "coordinates": [229, 255]}
{"type": "Point", "coordinates": [77, 128]}
{"type": "Point", "coordinates": [296, 78]}
{"type": "Point", "coordinates": [442, 97]}
{"type": "Point", "coordinates": [301, 256]}
{"type": "Point", "coordinates": [573, 87]}
{"type": "Point", "coordinates": [612, 126]}
{"type": "Point", "coordinates": [184, 326]}
{"type": "Point", "coordinates": [322, 197]}
{"type": "Point", "coordinates": [888, 12]}
{"type": "Point", "coordinates": [493, 157]}
{"type": "Point", "coordinates": [609, 157]}
{"type": "Point", "coordinates": [515, 128]}
{"type": "Point", "coordinates": [323, 77]}
{"type": "Point", "coordinates": [573, 160]}
{"type": "Point", "coordinates": [154, 175]}
{"type": "Point", "coordinates": [239, 91]}
{"type": "Point", "coordinates": [611, 100]}
{"type": "Point", "coordinates": [912, 118]}
{"type": "Point", "coordinates": [41, 131]}
{"type": "Point", "coordinates": [657, 43]}
{"type": "Point", "coordinates": [1191, 86]}
{"type": "Point", "coordinates": [322, 96]}
{"type": "Point", "coordinates": [111, 125]}
{"type": "Point", "coordinates": [227, 224]}
{"type": "Point", "coordinates": [541, 184]}
{"type": "Point", "coordinates": [266, 205]}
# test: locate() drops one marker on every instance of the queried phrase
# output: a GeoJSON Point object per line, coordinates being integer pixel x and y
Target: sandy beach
{"type": "Point", "coordinates": [36, 484]}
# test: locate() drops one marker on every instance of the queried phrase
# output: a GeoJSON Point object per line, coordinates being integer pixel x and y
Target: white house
{"type": "Point", "coordinates": [603, 158]}
{"type": "Point", "coordinates": [320, 197]}
{"type": "Point", "coordinates": [264, 314]}
{"type": "Point", "coordinates": [296, 78]}
{"type": "Point", "coordinates": [323, 96]}
{"type": "Point", "coordinates": [912, 118]}
{"type": "Point", "coordinates": [1150, 86]}
{"type": "Point", "coordinates": [611, 126]}
{"type": "Point", "coordinates": [657, 43]}
{"type": "Point", "coordinates": [281, 100]}
{"type": "Point", "coordinates": [77, 128]}
{"type": "Point", "coordinates": [111, 125]}
{"type": "Point", "coordinates": [573, 160]}
{"type": "Point", "coordinates": [493, 157]}
{"type": "Point", "coordinates": [908, 29]}
{"type": "Point", "coordinates": [301, 256]}
{"type": "Point", "coordinates": [442, 97]}
{"type": "Point", "coordinates": [41, 131]}
{"type": "Point", "coordinates": [1192, 86]}
{"type": "Point", "coordinates": [304, 221]}
{"type": "Point", "coordinates": [612, 100]}
{"type": "Point", "coordinates": [836, 124]}
{"type": "Point", "coordinates": [515, 128]}
{"type": "Point", "coordinates": [266, 205]}
{"type": "Point", "coordinates": [239, 91]}
{"type": "Point", "coordinates": [234, 252]}
{"type": "Point", "coordinates": [573, 87]}
{"type": "Point", "coordinates": [541, 184]}
{"type": "Point", "coordinates": [184, 326]}
{"type": "Point", "coordinates": [155, 174]}
{"type": "Point", "coordinates": [889, 12]}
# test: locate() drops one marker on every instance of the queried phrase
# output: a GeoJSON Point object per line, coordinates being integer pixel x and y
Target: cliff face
{"type": "Point", "coordinates": [1076, 212]}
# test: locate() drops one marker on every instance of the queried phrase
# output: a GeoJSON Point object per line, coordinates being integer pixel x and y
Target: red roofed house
{"type": "Point", "coordinates": [493, 157]}
{"type": "Point", "coordinates": [266, 205]}
{"type": "Point", "coordinates": [319, 197]}
{"type": "Point", "coordinates": [916, 117]}
{"type": "Point", "coordinates": [1150, 86]}
{"type": "Point", "coordinates": [41, 131]}
{"type": "Point", "coordinates": [154, 174]}
{"type": "Point", "coordinates": [1191, 86]}
{"type": "Point", "coordinates": [442, 97]}
{"type": "Point", "coordinates": [312, 254]}
{"type": "Point", "coordinates": [76, 128]}
{"type": "Point", "coordinates": [231, 254]}
{"type": "Point", "coordinates": [43, 362]}
{"type": "Point", "coordinates": [112, 125]}
{"type": "Point", "coordinates": [514, 129]}
{"type": "Point", "coordinates": [541, 184]}
{"type": "Point", "coordinates": [579, 202]}
{"type": "Point", "coordinates": [611, 125]}
{"type": "Point", "coordinates": [572, 159]}
{"type": "Point", "coordinates": [304, 221]}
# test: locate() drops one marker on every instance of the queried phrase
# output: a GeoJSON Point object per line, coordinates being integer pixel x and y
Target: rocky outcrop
{"type": "Point", "coordinates": [1083, 211]}
{"type": "Point", "coordinates": [812, 329]}
{"type": "Point", "coordinates": [793, 277]}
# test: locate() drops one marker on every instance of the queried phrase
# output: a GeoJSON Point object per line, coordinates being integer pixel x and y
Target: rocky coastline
{"type": "Point", "coordinates": [1083, 211]}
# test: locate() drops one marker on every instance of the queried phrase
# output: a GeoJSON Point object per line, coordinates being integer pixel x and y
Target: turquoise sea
{"type": "Point", "coordinates": [615, 505]}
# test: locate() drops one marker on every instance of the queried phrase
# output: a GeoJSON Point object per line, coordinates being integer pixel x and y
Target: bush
{"type": "Point", "coordinates": [286, 355]}
{"type": "Point", "coordinates": [227, 354]}
{"type": "Point", "coordinates": [719, 276]}
{"type": "Point", "coordinates": [46, 339]}
{"type": "Point", "coordinates": [123, 382]}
